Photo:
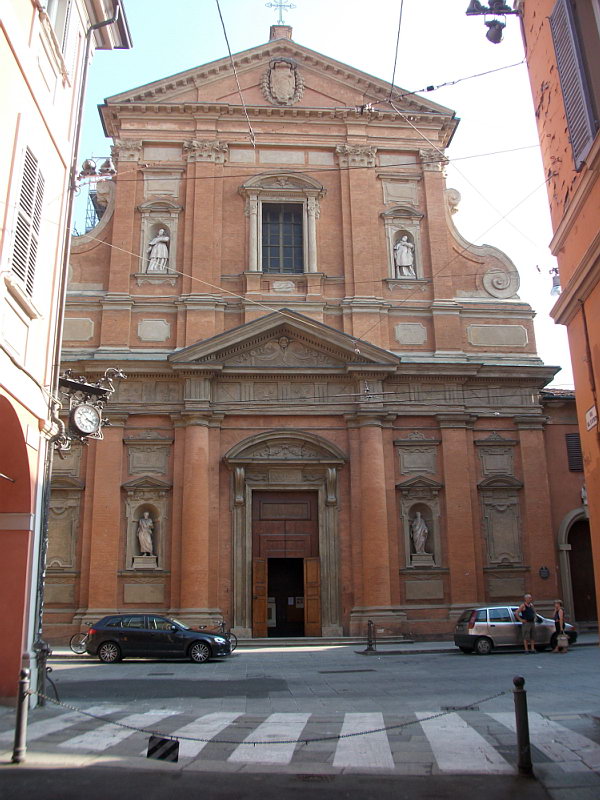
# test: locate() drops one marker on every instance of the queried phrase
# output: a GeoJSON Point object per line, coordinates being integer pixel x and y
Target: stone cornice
{"type": "Point", "coordinates": [583, 281]}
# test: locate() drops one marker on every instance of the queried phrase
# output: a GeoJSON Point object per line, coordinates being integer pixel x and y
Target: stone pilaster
{"type": "Point", "coordinates": [462, 517]}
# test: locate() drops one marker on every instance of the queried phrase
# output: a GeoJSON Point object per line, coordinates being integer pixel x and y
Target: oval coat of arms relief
{"type": "Point", "coordinates": [282, 83]}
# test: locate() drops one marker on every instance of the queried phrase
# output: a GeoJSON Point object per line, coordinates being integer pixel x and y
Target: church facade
{"type": "Point", "coordinates": [332, 408]}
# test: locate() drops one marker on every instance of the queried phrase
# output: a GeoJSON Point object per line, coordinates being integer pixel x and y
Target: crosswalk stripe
{"type": "Point", "coordinates": [276, 727]}
{"type": "Point", "coordinates": [372, 750]}
{"type": "Point", "coordinates": [206, 727]}
{"type": "Point", "coordinates": [556, 741]}
{"type": "Point", "coordinates": [36, 730]}
{"type": "Point", "coordinates": [457, 748]}
{"type": "Point", "coordinates": [108, 735]}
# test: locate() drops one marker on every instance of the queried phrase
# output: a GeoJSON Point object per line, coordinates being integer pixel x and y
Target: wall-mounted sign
{"type": "Point", "coordinates": [591, 418]}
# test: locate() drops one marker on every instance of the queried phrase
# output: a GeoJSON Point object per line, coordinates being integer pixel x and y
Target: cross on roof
{"type": "Point", "coordinates": [280, 5]}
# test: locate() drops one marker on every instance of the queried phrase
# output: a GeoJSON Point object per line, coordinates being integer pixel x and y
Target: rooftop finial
{"type": "Point", "coordinates": [280, 5]}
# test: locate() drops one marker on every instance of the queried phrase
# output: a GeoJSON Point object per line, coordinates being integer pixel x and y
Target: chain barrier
{"type": "Point", "coordinates": [305, 742]}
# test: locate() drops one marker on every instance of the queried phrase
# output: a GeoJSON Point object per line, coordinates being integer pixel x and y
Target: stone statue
{"type": "Point", "coordinates": [404, 258]}
{"type": "Point", "coordinates": [158, 253]}
{"type": "Point", "coordinates": [144, 532]}
{"type": "Point", "coordinates": [419, 532]}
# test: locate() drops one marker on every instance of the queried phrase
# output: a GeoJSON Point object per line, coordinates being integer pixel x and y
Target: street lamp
{"type": "Point", "coordinates": [497, 8]}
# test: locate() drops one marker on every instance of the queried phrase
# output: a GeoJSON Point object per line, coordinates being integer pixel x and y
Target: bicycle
{"type": "Point", "coordinates": [228, 634]}
{"type": "Point", "coordinates": [78, 643]}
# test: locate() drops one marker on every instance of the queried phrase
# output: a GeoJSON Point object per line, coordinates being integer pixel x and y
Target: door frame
{"type": "Point", "coordinates": [286, 460]}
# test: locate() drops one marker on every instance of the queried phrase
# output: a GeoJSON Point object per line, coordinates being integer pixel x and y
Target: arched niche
{"type": "Point", "coordinates": [402, 221]}
{"type": "Point", "coordinates": [158, 214]}
{"type": "Point", "coordinates": [151, 495]}
{"type": "Point", "coordinates": [286, 460]}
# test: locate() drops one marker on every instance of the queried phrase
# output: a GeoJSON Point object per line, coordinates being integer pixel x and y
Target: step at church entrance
{"type": "Point", "coordinates": [286, 598]}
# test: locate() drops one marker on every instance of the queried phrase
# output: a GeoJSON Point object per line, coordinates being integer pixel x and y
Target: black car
{"type": "Point", "coordinates": [152, 636]}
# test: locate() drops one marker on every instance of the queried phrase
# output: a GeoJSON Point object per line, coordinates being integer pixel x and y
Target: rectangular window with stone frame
{"type": "Point", "coordinates": [282, 238]}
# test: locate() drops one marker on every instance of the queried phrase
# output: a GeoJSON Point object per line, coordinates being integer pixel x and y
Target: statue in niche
{"type": "Point", "coordinates": [404, 258]}
{"type": "Point", "coordinates": [144, 533]}
{"type": "Point", "coordinates": [419, 533]}
{"type": "Point", "coordinates": [158, 253]}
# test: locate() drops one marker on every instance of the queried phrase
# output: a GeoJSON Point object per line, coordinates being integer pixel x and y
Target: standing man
{"type": "Point", "coordinates": [526, 613]}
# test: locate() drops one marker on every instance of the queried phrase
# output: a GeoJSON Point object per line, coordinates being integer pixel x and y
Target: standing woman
{"type": "Point", "coordinates": [559, 621]}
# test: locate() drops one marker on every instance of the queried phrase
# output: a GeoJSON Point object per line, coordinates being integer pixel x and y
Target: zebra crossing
{"type": "Point", "coordinates": [419, 743]}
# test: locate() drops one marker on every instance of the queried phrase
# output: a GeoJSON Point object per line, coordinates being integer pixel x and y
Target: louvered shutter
{"type": "Point", "coordinates": [574, 454]}
{"type": "Point", "coordinates": [28, 224]}
{"type": "Point", "coordinates": [573, 81]}
{"type": "Point", "coordinates": [69, 38]}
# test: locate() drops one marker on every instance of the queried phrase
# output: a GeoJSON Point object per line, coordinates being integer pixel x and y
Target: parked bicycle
{"type": "Point", "coordinates": [78, 643]}
{"type": "Point", "coordinates": [227, 633]}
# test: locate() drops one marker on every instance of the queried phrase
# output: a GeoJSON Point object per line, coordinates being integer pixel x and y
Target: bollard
{"type": "Point", "coordinates": [20, 745]}
{"type": "Point", "coordinates": [371, 644]}
{"type": "Point", "coordinates": [522, 724]}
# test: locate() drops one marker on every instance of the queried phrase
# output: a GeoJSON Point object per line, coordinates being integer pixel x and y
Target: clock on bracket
{"type": "Point", "coordinates": [86, 419]}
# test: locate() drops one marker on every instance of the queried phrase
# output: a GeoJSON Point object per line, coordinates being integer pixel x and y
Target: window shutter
{"type": "Point", "coordinates": [574, 454]}
{"type": "Point", "coordinates": [69, 39]}
{"type": "Point", "coordinates": [29, 221]}
{"type": "Point", "coordinates": [573, 81]}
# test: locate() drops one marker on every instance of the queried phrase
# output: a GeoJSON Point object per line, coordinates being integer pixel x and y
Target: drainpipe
{"type": "Point", "coordinates": [40, 647]}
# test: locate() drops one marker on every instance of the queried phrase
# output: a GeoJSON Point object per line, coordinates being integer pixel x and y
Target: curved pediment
{"type": "Point", "coordinates": [282, 181]}
{"type": "Point", "coordinates": [285, 445]}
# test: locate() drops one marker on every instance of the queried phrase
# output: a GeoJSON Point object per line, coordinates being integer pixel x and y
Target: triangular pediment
{"type": "Point", "coordinates": [285, 340]}
{"type": "Point", "coordinates": [146, 482]}
{"type": "Point", "coordinates": [419, 483]}
{"type": "Point", "coordinates": [319, 82]}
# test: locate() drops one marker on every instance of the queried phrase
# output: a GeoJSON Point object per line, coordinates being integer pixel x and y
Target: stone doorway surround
{"type": "Point", "coordinates": [289, 460]}
{"type": "Point", "coordinates": [564, 560]}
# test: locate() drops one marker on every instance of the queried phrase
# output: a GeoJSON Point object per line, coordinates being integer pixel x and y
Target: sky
{"type": "Point", "coordinates": [494, 157]}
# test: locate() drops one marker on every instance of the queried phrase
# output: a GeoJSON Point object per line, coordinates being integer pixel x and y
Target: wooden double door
{"type": "Point", "coordinates": [286, 575]}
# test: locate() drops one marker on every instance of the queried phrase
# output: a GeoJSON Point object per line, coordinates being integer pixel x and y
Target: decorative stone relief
{"type": "Point", "coordinates": [410, 333]}
{"type": "Point", "coordinates": [432, 160]}
{"type": "Point", "coordinates": [214, 151]}
{"type": "Point", "coordinates": [162, 181]}
{"type": "Point", "coordinates": [78, 329]}
{"type": "Point", "coordinates": [62, 529]}
{"type": "Point", "coordinates": [501, 520]}
{"type": "Point", "coordinates": [282, 84]}
{"type": "Point", "coordinates": [400, 191]}
{"type": "Point", "coordinates": [498, 335]}
{"type": "Point", "coordinates": [126, 150]}
{"type": "Point", "coordinates": [283, 287]}
{"type": "Point", "coordinates": [356, 155]}
{"type": "Point", "coordinates": [285, 451]}
{"type": "Point", "coordinates": [500, 283]}
{"type": "Point", "coordinates": [148, 459]}
{"type": "Point", "coordinates": [284, 352]}
{"type": "Point", "coordinates": [496, 455]}
{"type": "Point", "coordinates": [154, 330]}
{"type": "Point", "coordinates": [70, 463]}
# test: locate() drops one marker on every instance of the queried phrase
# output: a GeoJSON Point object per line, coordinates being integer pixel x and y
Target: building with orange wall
{"type": "Point", "coordinates": [562, 41]}
{"type": "Point", "coordinates": [332, 412]}
{"type": "Point", "coordinates": [42, 48]}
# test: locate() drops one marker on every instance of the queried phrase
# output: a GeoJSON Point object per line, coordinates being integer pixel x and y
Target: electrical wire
{"type": "Point", "coordinates": [237, 80]}
{"type": "Point", "coordinates": [397, 44]}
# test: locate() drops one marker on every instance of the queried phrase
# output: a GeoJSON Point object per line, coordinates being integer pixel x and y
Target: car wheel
{"type": "Point", "coordinates": [484, 646]}
{"type": "Point", "coordinates": [465, 649]}
{"type": "Point", "coordinates": [199, 652]}
{"type": "Point", "coordinates": [109, 652]}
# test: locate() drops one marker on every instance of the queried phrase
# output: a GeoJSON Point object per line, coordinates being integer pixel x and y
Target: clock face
{"type": "Point", "coordinates": [86, 418]}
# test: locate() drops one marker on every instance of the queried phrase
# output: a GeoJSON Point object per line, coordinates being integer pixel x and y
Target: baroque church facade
{"type": "Point", "coordinates": [332, 407]}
